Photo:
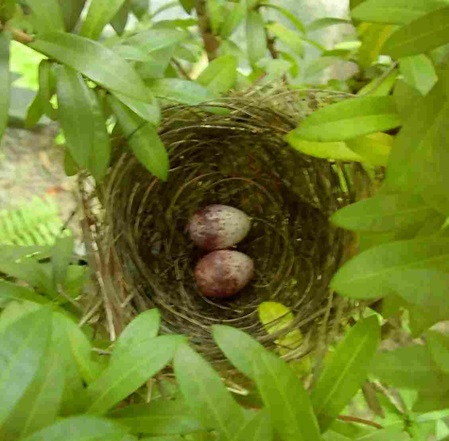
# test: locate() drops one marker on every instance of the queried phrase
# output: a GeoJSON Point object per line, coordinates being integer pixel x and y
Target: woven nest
{"type": "Point", "coordinates": [228, 152]}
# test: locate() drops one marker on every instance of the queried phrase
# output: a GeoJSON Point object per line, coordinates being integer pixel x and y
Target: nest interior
{"type": "Point", "coordinates": [230, 152]}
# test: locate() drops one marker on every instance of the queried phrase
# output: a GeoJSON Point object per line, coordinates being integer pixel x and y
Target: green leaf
{"type": "Point", "coordinates": [7, 10]}
{"type": "Point", "coordinates": [81, 428]}
{"type": "Point", "coordinates": [409, 367]}
{"type": "Point", "coordinates": [431, 401]}
{"type": "Point", "coordinates": [419, 160]}
{"type": "Point", "coordinates": [406, 98]}
{"type": "Point", "coordinates": [158, 418]}
{"type": "Point", "coordinates": [40, 404]}
{"type": "Point", "coordinates": [71, 11]}
{"type": "Point", "coordinates": [418, 72]}
{"type": "Point", "coordinates": [75, 348]}
{"type": "Point", "coordinates": [5, 80]}
{"type": "Point", "coordinates": [120, 19]}
{"type": "Point", "coordinates": [47, 88]}
{"type": "Point", "coordinates": [348, 119]}
{"type": "Point", "coordinates": [257, 428]}
{"type": "Point", "coordinates": [83, 123]}
{"type": "Point", "coordinates": [47, 15]}
{"type": "Point", "coordinates": [140, 7]}
{"type": "Point", "coordinates": [233, 18]}
{"type": "Point", "coordinates": [285, 398]}
{"type": "Point", "coordinates": [326, 22]}
{"type": "Point", "coordinates": [150, 112]}
{"type": "Point", "coordinates": [61, 257]}
{"type": "Point", "coordinates": [291, 38]}
{"type": "Point", "coordinates": [438, 345]}
{"type": "Point", "coordinates": [372, 273]}
{"type": "Point", "coordinates": [344, 374]}
{"type": "Point", "coordinates": [256, 37]}
{"type": "Point", "coordinates": [22, 348]}
{"type": "Point", "coordinates": [100, 13]}
{"type": "Point", "coordinates": [130, 371]}
{"type": "Point", "coordinates": [288, 15]}
{"type": "Point", "coordinates": [240, 349]}
{"type": "Point", "coordinates": [421, 35]}
{"type": "Point", "coordinates": [374, 149]}
{"type": "Point", "coordinates": [182, 91]}
{"type": "Point", "coordinates": [388, 434]}
{"type": "Point", "coordinates": [93, 60]}
{"type": "Point", "coordinates": [216, 13]}
{"type": "Point", "coordinates": [220, 75]}
{"type": "Point", "coordinates": [380, 86]}
{"type": "Point", "coordinates": [143, 328]}
{"type": "Point", "coordinates": [373, 40]}
{"type": "Point", "coordinates": [383, 213]}
{"type": "Point", "coordinates": [206, 395]}
{"type": "Point", "coordinates": [142, 138]}
{"type": "Point", "coordinates": [337, 151]}
{"type": "Point", "coordinates": [10, 291]}
{"type": "Point", "coordinates": [394, 11]}
{"type": "Point", "coordinates": [188, 5]}
{"type": "Point", "coordinates": [153, 40]}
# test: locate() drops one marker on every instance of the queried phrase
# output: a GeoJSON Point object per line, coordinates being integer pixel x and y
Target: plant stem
{"type": "Point", "coordinates": [211, 42]}
{"type": "Point", "coordinates": [17, 34]}
{"type": "Point", "coordinates": [353, 419]}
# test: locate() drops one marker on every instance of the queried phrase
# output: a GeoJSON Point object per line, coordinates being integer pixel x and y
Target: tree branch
{"type": "Point", "coordinates": [352, 419]}
{"type": "Point", "coordinates": [17, 34]}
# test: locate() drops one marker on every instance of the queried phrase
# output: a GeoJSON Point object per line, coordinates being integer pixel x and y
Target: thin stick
{"type": "Point", "coordinates": [353, 419]}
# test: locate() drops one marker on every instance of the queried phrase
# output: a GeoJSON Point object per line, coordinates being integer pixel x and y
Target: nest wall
{"type": "Point", "coordinates": [230, 152]}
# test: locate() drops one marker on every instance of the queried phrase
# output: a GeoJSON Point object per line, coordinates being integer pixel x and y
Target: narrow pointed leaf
{"type": "Point", "coordinates": [383, 213]}
{"type": "Point", "coordinates": [337, 151]}
{"type": "Point", "coordinates": [345, 372]}
{"type": "Point", "coordinates": [374, 149]}
{"type": "Point", "coordinates": [81, 428]}
{"type": "Point", "coordinates": [61, 256]}
{"type": "Point", "coordinates": [41, 402]}
{"type": "Point", "coordinates": [291, 38]}
{"type": "Point", "coordinates": [83, 123]}
{"type": "Point", "coordinates": [421, 35]}
{"type": "Point", "coordinates": [388, 434]}
{"type": "Point", "coordinates": [158, 418]}
{"type": "Point", "coordinates": [100, 13]}
{"type": "Point", "coordinates": [150, 112]}
{"type": "Point", "coordinates": [142, 138]}
{"type": "Point", "coordinates": [71, 11]}
{"type": "Point", "coordinates": [348, 119]}
{"type": "Point", "coordinates": [255, 37]}
{"type": "Point", "coordinates": [143, 328]}
{"type": "Point", "coordinates": [220, 75]}
{"type": "Point", "coordinates": [93, 60]}
{"type": "Point", "coordinates": [135, 366]}
{"type": "Point", "coordinates": [438, 344]}
{"type": "Point", "coordinates": [22, 347]}
{"type": "Point", "coordinates": [5, 81]}
{"type": "Point", "coordinates": [373, 273]}
{"type": "Point", "coordinates": [47, 15]}
{"type": "Point", "coordinates": [394, 11]}
{"type": "Point", "coordinates": [9, 291]}
{"type": "Point", "coordinates": [326, 22]}
{"type": "Point", "coordinates": [206, 395]}
{"type": "Point", "coordinates": [299, 25]}
{"type": "Point", "coordinates": [153, 40]}
{"type": "Point", "coordinates": [257, 429]}
{"type": "Point", "coordinates": [418, 72]}
{"type": "Point", "coordinates": [285, 399]}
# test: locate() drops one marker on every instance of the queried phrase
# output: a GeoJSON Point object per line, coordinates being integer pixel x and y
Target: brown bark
{"type": "Point", "coordinates": [211, 42]}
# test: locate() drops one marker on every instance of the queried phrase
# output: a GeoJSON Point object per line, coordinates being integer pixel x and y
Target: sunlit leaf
{"type": "Point", "coordinates": [372, 273]}
{"type": "Point", "coordinates": [93, 60]}
{"type": "Point", "coordinates": [22, 347]}
{"type": "Point", "coordinates": [150, 112]}
{"type": "Point", "coordinates": [71, 11]}
{"type": "Point", "coordinates": [129, 371]}
{"type": "Point", "coordinates": [394, 11]}
{"type": "Point", "coordinates": [438, 345]}
{"type": "Point", "coordinates": [291, 38]}
{"type": "Point", "coordinates": [345, 372]}
{"type": "Point", "coordinates": [206, 395]}
{"type": "Point", "coordinates": [257, 429]}
{"type": "Point", "coordinates": [220, 75]}
{"type": "Point", "coordinates": [373, 40]}
{"type": "Point", "coordinates": [338, 151]}
{"type": "Point", "coordinates": [288, 15]}
{"type": "Point", "coordinates": [9, 291]}
{"type": "Point", "coordinates": [406, 98]}
{"type": "Point", "coordinates": [374, 149]}
{"type": "Point", "coordinates": [61, 256]}
{"type": "Point", "coordinates": [418, 72]}
{"type": "Point", "coordinates": [348, 119]}
{"type": "Point", "coordinates": [326, 22]}
{"type": "Point", "coordinates": [233, 18]}
{"type": "Point", "coordinates": [421, 35]}
{"type": "Point", "coordinates": [383, 213]}
{"type": "Point", "coordinates": [153, 40]}
{"type": "Point", "coordinates": [142, 138]}
{"type": "Point", "coordinates": [47, 15]}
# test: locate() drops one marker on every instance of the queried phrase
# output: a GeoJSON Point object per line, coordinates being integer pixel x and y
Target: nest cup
{"type": "Point", "coordinates": [230, 152]}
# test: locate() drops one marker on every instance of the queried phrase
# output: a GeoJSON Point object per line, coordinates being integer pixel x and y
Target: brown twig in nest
{"type": "Point", "coordinates": [230, 152]}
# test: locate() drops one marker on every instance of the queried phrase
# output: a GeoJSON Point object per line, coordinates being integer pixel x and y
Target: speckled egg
{"type": "Point", "coordinates": [223, 273]}
{"type": "Point", "coordinates": [217, 227]}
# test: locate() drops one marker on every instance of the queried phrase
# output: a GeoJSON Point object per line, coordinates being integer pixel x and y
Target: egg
{"type": "Point", "coordinates": [223, 273]}
{"type": "Point", "coordinates": [217, 227]}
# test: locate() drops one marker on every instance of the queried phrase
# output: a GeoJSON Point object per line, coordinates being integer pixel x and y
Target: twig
{"type": "Point", "coordinates": [211, 42]}
{"type": "Point", "coordinates": [181, 69]}
{"type": "Point", "coordinates": [353, 419]}
{"type": "Point", "coordinates": [17, 34]}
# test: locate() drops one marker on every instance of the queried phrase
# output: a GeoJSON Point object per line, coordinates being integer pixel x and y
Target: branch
{"type": "Point", "coordinates": [17, 34]}
{"type": "Point", "coordinates": [211, 42]}
{"type": "Point", "coordinates": [352, 419]}
{"type": "Point", "coordinates": [181, 69]}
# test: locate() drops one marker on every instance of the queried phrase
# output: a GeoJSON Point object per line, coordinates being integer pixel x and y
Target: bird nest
{"type": "Point", "coordinates": [231, 152]}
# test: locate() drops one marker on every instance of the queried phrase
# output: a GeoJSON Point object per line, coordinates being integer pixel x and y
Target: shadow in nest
{"type": "Point", "coordinates": [230, 152]}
